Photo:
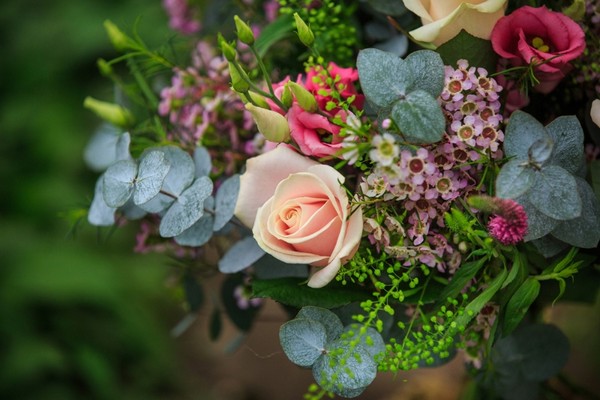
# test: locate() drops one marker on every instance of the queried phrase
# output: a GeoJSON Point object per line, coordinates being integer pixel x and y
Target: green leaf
{"type": "Point", "coordinates": [202, 162]}
{"type": "Point", "coordinates": [538, 223]}
{"type": "Point", "coordinates": [475, 306]}
{"type": "Point", "coordinates": [226, 199]}
{"type": "Point", "coordinates": [515, 179]}
{"type": "Point", "coordinates": [521, 132]}
{"type": "Point", "coordinates": [331, 322]}
{"type": "Point", "coordinates": [151, 174]}
{"type": "Point", "coordinates": [345, 370]}
{"type": "Point", "coordinates": [100, 213]}
{"type": "Point", "coordinates": [188, 208]}
{"type": "Point", "coordinates": [419, 117]}
{"type": "Point", "coordinates": [384, 77]}
{"type": "Point", "coordinates": [478, 52]}
{"type": "Point", "coordinates": [240, 256]}
{"type": "Point", "coordinates": [463, 275]}
{"type": "Point", "coordinates": [427, 69]}
{"type": "Point", "coordinates": [294, 292]}
{"type": "Point", "coordinates": [519, 304]}
{"type": "Point", "coordinates": [554, 193]}
{"type": "Point", "coordinates": [303, 341]}
{"type": "Point", "coordinates": [519, 265]}
{"type": "Point", "coordinates": [583, 231]}
{"type": "Point", "coordinates": [215, 325]}
{"type": "Point", "coordinates": [567, 134]}
{"type": "Point", "coordinates": [277, 30]}
{"type": "Point", "coordinates": [540, 150]}
{"type": "Point", "coordinates": [201, 231]}
{"type": "Point", "coordinates": [119, 181]}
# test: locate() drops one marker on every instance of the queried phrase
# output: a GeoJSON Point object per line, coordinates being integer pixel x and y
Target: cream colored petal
{"type": "Point", "coordinates": [419, 7]}
{"type": "Point", "coordinates": [595, 112]}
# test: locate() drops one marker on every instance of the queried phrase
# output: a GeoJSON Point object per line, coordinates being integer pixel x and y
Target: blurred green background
{"type": "Point", "coordinates": [81, 316]}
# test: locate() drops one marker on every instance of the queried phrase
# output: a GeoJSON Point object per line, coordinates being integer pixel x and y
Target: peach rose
{"type": "Point", "coordinates": [299, 212]}
{"type": "Point", "coordinates": [444, 19]}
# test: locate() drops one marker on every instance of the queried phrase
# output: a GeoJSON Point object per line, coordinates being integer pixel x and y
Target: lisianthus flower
{"type": "Point", "coordinates": [314, 133]}
{"type": "Point", "coordinates": [542, 37]}
{"type": "Point", "coordinates": [317, 82]}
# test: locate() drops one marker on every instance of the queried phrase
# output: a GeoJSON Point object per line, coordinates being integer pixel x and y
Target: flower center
{"type": "Point", "coordinates": [539, 44]}
{"type": "Point", "coordinates": [454, 86]}
{"type": "Point", "coordinates": [465, 132]}
{"type": "Point", "coordinates": [468, 107]}
{"type": "Point", "coordinates": [416, 165]}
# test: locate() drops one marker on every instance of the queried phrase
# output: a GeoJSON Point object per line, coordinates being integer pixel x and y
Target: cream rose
{"type": "Point", "coordinates": [444, 19]}
{"type": "Point", "coordinates": [299, 212]}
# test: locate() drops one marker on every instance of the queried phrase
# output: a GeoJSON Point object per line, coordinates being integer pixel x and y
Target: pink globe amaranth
{"type": "Point", "coordinates": [314, 133]}
{"type": "Point", "coordinates": [299, 212]}
{"type": "Point", "coordinates": [538, 35]}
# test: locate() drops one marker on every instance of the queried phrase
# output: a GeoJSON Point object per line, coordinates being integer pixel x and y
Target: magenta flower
{"type": "Point", "coordinates": [508, 224]}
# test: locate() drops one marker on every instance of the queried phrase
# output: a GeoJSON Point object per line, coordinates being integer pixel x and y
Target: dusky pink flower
{"type": "Point", "coordinates": [314, 133]}
{"type": "Point", "coordinates": [539, 36]}
{"type": "Point", "coordinates": [508, 224]}
{"type": "Point", "coordinates": [343, 79]}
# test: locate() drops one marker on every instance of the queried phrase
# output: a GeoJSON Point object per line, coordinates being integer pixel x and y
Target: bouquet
{"type": "Point", "coordinates": [407, 179]}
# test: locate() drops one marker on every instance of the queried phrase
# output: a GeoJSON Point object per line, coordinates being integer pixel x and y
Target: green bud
{"type": "Point", "coordinates": [271, 124]}
{"type": "Point", "coordinates": [258, 100]}
{"type": "Point", "coordinates": [228, 50]}
{"type": "Point", "coordinates": [304, 33]}
{"type": "Point", "coordinates": [238, 83]}
{"type": "Point", "coordinates": [286, 96]}
{"type": "Point", "coordinates": [113, 113]}
{"type": "Point", "coordinates": [118, 39]}
{"type": "Point", "coordinates": [576, 10]}
{"type": "Point", "coordinates": [104, 67]}
{"type": "Point", "coordinates": [304, 98]}
{"type": "Point", "coordinates": [244, 32]}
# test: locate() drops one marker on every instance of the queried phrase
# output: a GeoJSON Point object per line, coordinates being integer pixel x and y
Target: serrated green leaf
{"type": "Point", "coordinates": [519, 303]}
{"type": "Point", "coordinates": [226, 200]}
{"type": "Point", "coordinates": [384, 77]}
{"type": "Point", "coordinates": [331, 322]}
{"type": "Point", "coordinates": [294, 292]}
{"type": "Point", "coordinates": [188, 208]}
{"type": "Point", "coordinates": [555, 194]}
{"type": "Point", "coordinates": [240, 256]}
{"type": "Point", "coordinates": [567, 134]}
{"type": "Point", "coordinates": [419, 117]}
{"type": "Point", "coordinates": [303, 341]}
{"type": "Point", "coordinates": [152, 171]}
{"type": "Point", "coordinates": [427, 69]}
{"type": "Point", "coordinates": [515, 179]}
{"type": "Point", "coordinates": [521, 132]}
{"type": "Point", "coordinates": [344, 368]}
{"type": "Point", "coordinates": [119, 181]}
{"type": "Point", "coordinates": [478, 52]}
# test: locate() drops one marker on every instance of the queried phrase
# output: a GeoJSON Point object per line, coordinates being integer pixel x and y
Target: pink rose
{"type": "Point", "coordinates": [314, 133]}
{"type": "Point", "coordinates": [539, 35]}
{"type": "Point", "coordinates": [299, 212]}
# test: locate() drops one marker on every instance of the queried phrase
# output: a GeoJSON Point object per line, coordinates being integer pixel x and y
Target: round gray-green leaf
{"type": "Point", "coordinates": [515, 178]}
{"type": "Point", "coordinates": [567, 134]}
{"type": "Point", "coordinates": [384, 77]}
{"type": "Point", "coordinates": [202, 161]}
{"type": "Point", "coordinates": [538, 223]}
{"type": "Point", "coordinates": [540, 150]}
{"type": "Point", "coordinates": [226, 199]}
{"type": "Point", "coordinates": [344, 368]}
{"type": "Point", "coordinates": [181, 174]}
{"type": "Point", "coordinates": [240, 256]}
{"type": "Point", "coordinates": [106, 146]}
{"type": "Point", "coordinates": [201, 232]}
{"type": "Point", "coordinates": [151, 174]}
{"type": "Point", "coordinates": [419, 117]}
{"type": "Point", "coordinates": [119, 181]}
{"type": "Point", "coordinates": [521, 132]}
{"type": "Point", "coordinates": [187, 209]}
{"type": "Point", "coordinates": [303, 341]}
{"type": "Point", "coordinates": [100, 213]}
{"type": "Point", "coordinates": [554, 193]}
{"type": "Point", "coordinates": [333, 324]}
{"type": "Point", "coordinates": [427, 68]}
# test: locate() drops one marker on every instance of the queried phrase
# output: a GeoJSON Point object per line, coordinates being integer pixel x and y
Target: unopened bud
{"type": "Point", "coordinates": [305, 99]}
{"type": "Point", "coordinates": [104, 67]}
{"type": "Point", "coordinates": [271, 124]}
{"type": "Point", "coordinates": [286, 97]}
{"type": "Point", "coordinates": [244, 32]}
{"type": "Point", "coordinates": [228, 50]}
{"type": "Point", "coordinates": [118, 39]}
{"type": "Point", "coordinates": [258, 100]}
{"type": "Point", "coordinates": [304, 33]}
{"type": "Point", "coordinates": [238, 83]}
{"type": "Point", "coordinates": [113, 113]}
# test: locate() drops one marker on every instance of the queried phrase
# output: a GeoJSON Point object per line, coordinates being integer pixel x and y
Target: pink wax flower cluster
{"type": "Point", "coordinates": [426, 183]}
{"type": "Point", "coordinates": [315, 132]}
{"type": "Point", "coordinates": [540, 37]}
{"type": "Point", "coordinates": [182, 16]}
